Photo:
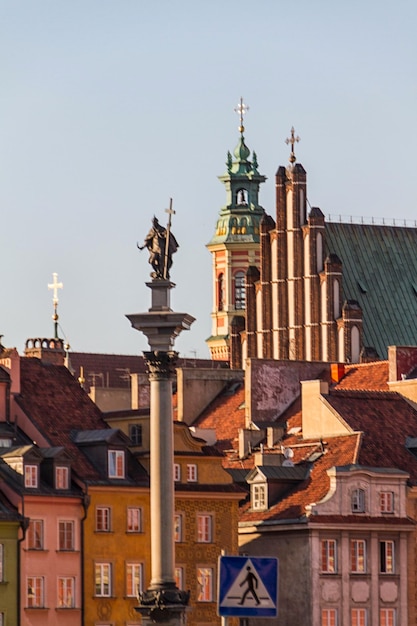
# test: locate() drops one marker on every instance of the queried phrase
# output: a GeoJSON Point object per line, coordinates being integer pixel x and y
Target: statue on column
{"type": "Point", "coordinates": [161, 244]}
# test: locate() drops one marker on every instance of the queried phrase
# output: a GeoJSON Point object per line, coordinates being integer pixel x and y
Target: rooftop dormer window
{"type": "Point", "coordinates": [61, 477]}
{"type": "Point", "coordinates": [31, 476]}
{"type": "Point", "coordinates": [259, 496]}
{"type": "Point", "coordinates": [116, 463]}
{"type": "Point", "coordinates": [358, 501]}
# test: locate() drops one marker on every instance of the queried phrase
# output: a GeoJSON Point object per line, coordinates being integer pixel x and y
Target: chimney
{"type": "Point", "coordinates": [47, 350]}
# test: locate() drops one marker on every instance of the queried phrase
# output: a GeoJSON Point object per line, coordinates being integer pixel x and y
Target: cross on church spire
{"type": "Point", "coordinates": [292, 140]}
{"type": "Point", "coordinates": [55, 285]}
{"type": "Point", "coordinates": [241, 110]}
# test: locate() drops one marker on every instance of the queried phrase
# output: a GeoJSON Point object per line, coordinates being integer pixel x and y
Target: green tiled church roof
{"type": "Point", "coordinates": [380, 272]}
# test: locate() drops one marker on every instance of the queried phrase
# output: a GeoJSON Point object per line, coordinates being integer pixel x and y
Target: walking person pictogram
{"type": "Point", "coordinates": [252, 584]}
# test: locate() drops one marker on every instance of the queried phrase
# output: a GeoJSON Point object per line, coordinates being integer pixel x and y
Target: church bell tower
{"type": "Point", "coordinates": [235, 243]}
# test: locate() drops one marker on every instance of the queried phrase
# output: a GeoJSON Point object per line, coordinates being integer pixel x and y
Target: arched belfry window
{"type": "Point", "coordinates": [242, 196]}
{"type": "Point", "coordinates": [240, 294]}
{"type": "Point", "coordinates": [220, 292]}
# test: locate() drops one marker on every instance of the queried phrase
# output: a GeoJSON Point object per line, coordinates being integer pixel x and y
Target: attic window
{"type": "Point", "coordinates": [358, 501]}
{"type": "Point", "coordinates": [259, 497]}
{"type": "Point", "coordinates": [5, 442]}
{"type": "Point", "coordinates": [31, 476]}
{"type": "Point", "coordinates": [116, 460]}
{"type": "Point", "coordinates": [61, 477]}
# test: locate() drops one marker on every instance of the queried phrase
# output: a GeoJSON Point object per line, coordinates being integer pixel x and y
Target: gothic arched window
{"type": "Point", "coordinates": [240, 294]}
{"type": "Point", "coordinates": [220, 292]}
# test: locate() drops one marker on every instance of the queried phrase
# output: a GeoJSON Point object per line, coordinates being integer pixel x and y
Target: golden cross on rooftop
{"type": "Point", "coordinates": [292, 140]}
{"type": "Point", "coordinates": [241, 111]}
{"type": "Point", "coordinates": [55, 285]}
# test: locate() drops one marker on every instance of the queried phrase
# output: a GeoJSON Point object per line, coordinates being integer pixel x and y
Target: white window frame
{"type": "Point", "coordinates": [239, 280]}
{"type": "Point", "coordinates": [359, 617]}
{"type": "Point", "coordinates": [66, 592]}
{"type": "Point", "coordinates": [259, 492]}
{"type": "Point", "coordinates": [177, 472]}
{"type": "Point", "coordinates": [134, 516]}
{"type": "Point", "coordinates": [116, 463]}
{"type": "Point", "coordinates": [204, 528]}
{"type": "Point", "coordinates": [35, 534]}
{"type": "Point", "coordinates": [329, 617]}
{"type": "Point", "coordinates": [31, 476]}
{"type": "Point", "coordinates": [358, 556]}
{"type": "Point", "coordinates": [387, 617]}
{"type": "Point", "coordinates": [66, 530]}
{"type": "Point", "coordinates": [101, 572]}
{"type": "Point", "coordinates": [387, 559]}
{"type": "Point", "coordinates": [328, 556]}
{"type": "Point", "coordinates": [179, 576]}
{"type": "Point", "coordinates": [386, 502]}
{"type": "Point", "coordinates": [36, 585]}
{"type": "Point", "coordinates": [205, 577]}
{"type": "Point", "coordinates": [358, 501]}
{"type": "Point", "coordinates": [192, 473]}
{"type": "Point", "coordinates": [61, 477]}
{"type": "Point", "coordinates": [103, 519]}
{"type": "Point", "coordinates": [134, 579]}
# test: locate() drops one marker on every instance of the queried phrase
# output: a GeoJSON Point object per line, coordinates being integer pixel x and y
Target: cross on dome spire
{"type": "Point", "coordinates": [241, 110]}
{"type": "Point", "coordinates": [292, 140]}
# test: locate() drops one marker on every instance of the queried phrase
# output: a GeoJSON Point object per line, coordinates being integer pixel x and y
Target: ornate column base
{"type": "Point", "coordinates": [167, 605]}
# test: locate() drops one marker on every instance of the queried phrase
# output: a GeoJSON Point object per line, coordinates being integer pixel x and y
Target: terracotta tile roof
{"type": "Point", "coordinates": [386, 420]}
{"type": "Point", "coordinates": [370, 376]}
{"type": "Point", "coordinates": [226, 414]}
{"type": "Point", "coordinates": [57, 405]}
{"type": "Point", "coordinates": [291, 507]}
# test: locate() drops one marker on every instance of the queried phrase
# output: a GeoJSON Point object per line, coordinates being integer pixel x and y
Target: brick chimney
{"type": "Point", "coordinates": [47, 350]}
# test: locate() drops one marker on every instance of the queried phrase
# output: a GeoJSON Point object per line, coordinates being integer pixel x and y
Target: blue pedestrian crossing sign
{"type": "Point", "coordinates": [248, 586]}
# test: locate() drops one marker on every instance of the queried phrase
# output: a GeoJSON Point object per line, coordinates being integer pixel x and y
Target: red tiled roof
{"type": "Point", "coordinates": [226, 414]}
{"type": "Point", "coordinates": [386, 419]}
{"type": "Point", "coordinates": [370, 376]}
{"type": "Point", "coordinates": [57, 405]}
{"type": "Point", "coordinates": [361, 519]}
{"type": "Point", "coordinates": [339, 451]}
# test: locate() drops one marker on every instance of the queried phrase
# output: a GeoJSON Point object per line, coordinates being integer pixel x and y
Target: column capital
{"type": "Point", "coordinates": [160, 364]}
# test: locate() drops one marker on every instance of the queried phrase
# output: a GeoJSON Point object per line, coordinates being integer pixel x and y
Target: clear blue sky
{"type": "Point", "coordinates": [109, 108]}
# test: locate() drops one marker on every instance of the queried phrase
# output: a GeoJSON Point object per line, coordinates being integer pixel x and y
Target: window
{"type": "Point", "coordinates": [133, 579]}
{"type": "Point", "coordinates": [177, 472]}
{"type": "Point", "coordinates": [329, 617]}
{"type": "Point", "coordinates": [259, 497]}
{"type": "Point", "coordinates": [116, 459]}
{"type": "Point", "coordinates": [386, 550]}
{"type": "Point", "coordinates": [328, 556]}
{"type": "Point", "coordinates": [35, 592]}
{"type": "Point", "coordinates": [220, 292]}
{"type": "Point", "coordinates": [179, 578]}
{"type": "Point", "coordinates": [103, 519]}
{"type": "Point", "coordinates": [191, 473]}
{"type": "Point", "coordinates": [204, 584]}
{"type": "Point", "coordinates": [1, 564]}
{"type": "Point", "coordinates": [386, 502]}
{"type": "Point", "coordinates": [31, 476]}
{"type": "Point", "coordinates": [35, 534]}
{"type": "Point", "coordinates": [178, 527]}
{"type": "Point", "coordinates": [103, 579]}
{"type": "Point", "coordinates": [134, 519]}
{"type": "Point", "coordinates": [358, 501]}
{"type": "Point", "coordinates": [61, 477]}
{"type": "Point", "coordinates": [204, 528]}
{"type": "Point", "coordinates": [66, 586]}
{"type": "Point", "coordinates": [135, 434]}
{"type": "Point", "coordinates": [387, 617]}
{"type": "Point", "coordinates": [358, 617]}
{"type": "Point", "coordinates": [240, 294]}
{"type": "Point", "coordinates": [358, 555]}
{"type": "Point", "coordinates": [66, 535]}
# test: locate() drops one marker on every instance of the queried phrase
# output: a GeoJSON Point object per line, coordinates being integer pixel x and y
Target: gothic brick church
{"type": "Point", "coordinates": [300, 287]}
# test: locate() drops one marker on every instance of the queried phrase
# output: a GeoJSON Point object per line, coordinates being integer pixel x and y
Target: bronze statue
{"type": "Point", "coordinates": [161, 244]}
